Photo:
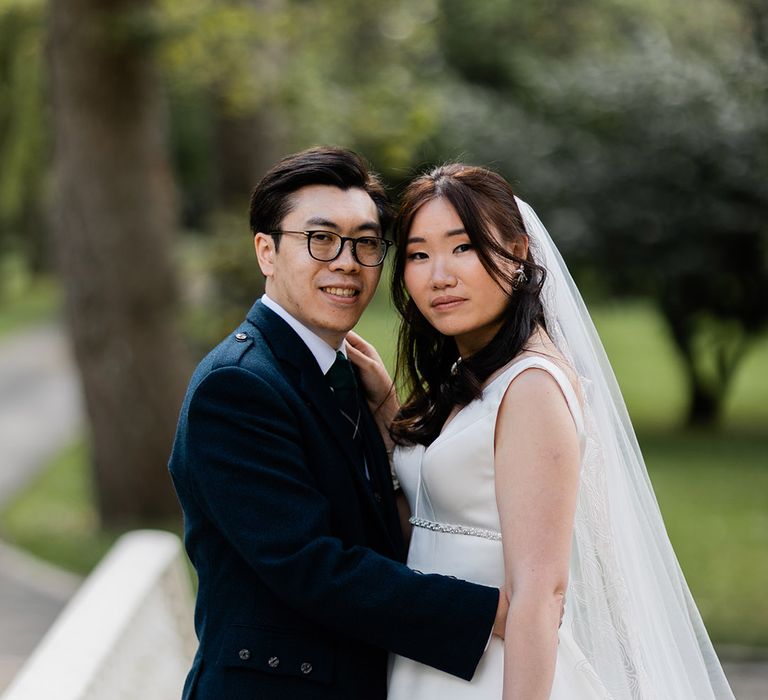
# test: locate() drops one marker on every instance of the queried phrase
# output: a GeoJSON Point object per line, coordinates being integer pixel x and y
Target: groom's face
{"type": "Point", "coordinates": [327, 297]}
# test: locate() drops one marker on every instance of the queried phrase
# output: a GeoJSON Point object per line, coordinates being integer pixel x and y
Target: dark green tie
{"type": "Point", "coordinates": [342, 380]}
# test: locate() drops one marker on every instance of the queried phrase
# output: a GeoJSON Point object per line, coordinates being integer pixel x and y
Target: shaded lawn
{"type": "Point", "coordinates": [713, 494]}
{"type": "Point", "coordinates": [55, 517]}
{"type": "Point", "coordinates": [33, 303]}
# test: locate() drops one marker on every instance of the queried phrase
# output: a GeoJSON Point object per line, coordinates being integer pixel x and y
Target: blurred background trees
{"type": "Point", "coordinates": [24, 134]}
{"type": "Point", "coordinates": [639, 131]}
{"type": "Point", "coordinates": [113, 219]}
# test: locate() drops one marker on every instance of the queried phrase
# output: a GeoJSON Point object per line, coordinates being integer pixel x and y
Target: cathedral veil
{"type": "Point", "coordinates": [628, 607]}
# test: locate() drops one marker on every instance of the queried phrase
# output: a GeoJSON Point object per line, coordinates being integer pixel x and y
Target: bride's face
{"type": "Point", "coordinates": [446, 280]}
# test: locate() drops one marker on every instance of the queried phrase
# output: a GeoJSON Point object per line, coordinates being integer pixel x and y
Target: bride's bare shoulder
{"type": "Point", "coordinates": [541, 345]}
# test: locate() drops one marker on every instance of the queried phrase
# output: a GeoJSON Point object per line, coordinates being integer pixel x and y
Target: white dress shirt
{"type": "Point", "coordinates": [321, 351]}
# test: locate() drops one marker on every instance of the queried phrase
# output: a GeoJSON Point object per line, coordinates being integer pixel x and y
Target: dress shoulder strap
{"type": "Point", "coordinates": [500, 384]}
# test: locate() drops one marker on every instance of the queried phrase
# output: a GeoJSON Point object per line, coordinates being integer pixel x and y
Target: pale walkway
{"type": "Point", "coordinates": [40, 413]}
{"type": "Point", "coordinates": [40, 405]}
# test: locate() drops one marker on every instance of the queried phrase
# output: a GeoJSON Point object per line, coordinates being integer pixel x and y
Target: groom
{"type": "Point", "coordinates": [289, 510]}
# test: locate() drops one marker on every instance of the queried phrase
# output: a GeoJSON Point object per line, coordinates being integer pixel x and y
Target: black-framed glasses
{"type": "Point", "coordinates": [325, 246]}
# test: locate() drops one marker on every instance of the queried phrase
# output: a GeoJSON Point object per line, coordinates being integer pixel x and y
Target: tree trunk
{"type": "Point", "coordinates": [113, 218]}
{"type": "Point", "coordinates": [705, 399]}
{"type": "Point", "coordinates": [246, 146]}
{"type": "Point", "coordinates": [704, 406]}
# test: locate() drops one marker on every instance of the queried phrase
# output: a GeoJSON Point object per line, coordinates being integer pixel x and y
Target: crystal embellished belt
{"type": "Point", "coordinates": [455, 529]}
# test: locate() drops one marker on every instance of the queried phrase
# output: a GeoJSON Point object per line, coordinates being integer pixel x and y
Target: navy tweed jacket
{"type": "Point", "coordinates": [302, 587]}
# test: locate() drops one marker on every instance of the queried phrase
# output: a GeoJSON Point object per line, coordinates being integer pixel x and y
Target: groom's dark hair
{"type": "Point", "coordinates": [322, 165]}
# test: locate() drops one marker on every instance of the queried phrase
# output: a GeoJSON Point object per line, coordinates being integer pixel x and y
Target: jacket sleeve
{"type": "Point", "coordinates": [249, 472]}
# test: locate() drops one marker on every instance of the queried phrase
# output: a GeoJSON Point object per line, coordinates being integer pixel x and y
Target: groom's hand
{"type": "Point", "coordinates": [501, 614]}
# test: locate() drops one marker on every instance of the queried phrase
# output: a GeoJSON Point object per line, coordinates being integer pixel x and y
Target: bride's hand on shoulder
{"type": "Point", "coordinates": [377, 384]}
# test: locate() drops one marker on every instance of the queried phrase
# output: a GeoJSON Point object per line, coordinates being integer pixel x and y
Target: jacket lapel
{"type": "Point", "coordinates": [289, 348]}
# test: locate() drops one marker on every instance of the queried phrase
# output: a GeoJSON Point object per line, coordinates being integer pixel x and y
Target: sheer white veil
{"type": "Point", "coordinates": [628, 605]}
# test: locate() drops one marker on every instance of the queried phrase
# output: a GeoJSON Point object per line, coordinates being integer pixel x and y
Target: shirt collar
{"type": "Point", "coordinates": [321, 351]}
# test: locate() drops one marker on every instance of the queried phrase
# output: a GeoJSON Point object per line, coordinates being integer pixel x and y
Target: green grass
{"type": "Point", "coordinates": [37, 301]}
{"type": "Point", "coordinates": [747, 405]}
{"type": "Point", "coordinates": [25, 297]}
{"type": "Point", "coordinates": [713, 494]}
{"type": "Point", "coordinates": [55, 518]}
{"type": "Point", "coordinates": [644, 361]}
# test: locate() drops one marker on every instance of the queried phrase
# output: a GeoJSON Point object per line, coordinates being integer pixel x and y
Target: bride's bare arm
{"type": "Point", "coordinates": [378, 385]}
{"type": "Point", "coordinates": [537, 473]}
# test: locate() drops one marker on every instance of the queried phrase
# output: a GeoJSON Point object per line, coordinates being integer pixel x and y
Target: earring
{"type": "Point", "coordinates": [520, 278]}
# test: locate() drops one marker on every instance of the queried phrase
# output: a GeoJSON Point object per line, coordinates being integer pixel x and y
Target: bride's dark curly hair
{"type": "Point", "coordinates": [486, 206]}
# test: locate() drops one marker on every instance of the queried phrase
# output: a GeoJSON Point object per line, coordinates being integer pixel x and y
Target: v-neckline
{"type": "Point", "coordinates": [452, 420]}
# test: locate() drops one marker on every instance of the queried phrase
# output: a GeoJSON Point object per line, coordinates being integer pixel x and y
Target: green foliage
{"type": "Point", "coordinates": [672, 203]}
{"type": "Point", "coordinates": [497, 44]}
{"type": "Point", "coordinates": [640, 346]}
{"type": "Point", "coordinates": [637, 129]}
{"type": "Point", "coordinates": [647, 159]}
{"type": "Point", "coordinates": [365, 77]}
{"type": "Point", "coordinates": [24, 298]}
{"type": "Point", "coordinates": [24, 135]}
{"type": "Point", "coordinates": [223, 278]}
{"type": "Point", "coordinates": [507, 46]}
{"type": "Point", "coordinates": [334, 72]}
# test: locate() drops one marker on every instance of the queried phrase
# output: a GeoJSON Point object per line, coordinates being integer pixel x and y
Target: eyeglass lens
{"type": "Point", "coordinates": [367, 250]}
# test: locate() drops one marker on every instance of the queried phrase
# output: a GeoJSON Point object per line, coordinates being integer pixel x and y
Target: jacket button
{"type": "Point", "coordinates": [273, 662]}
{"type": "Point", "coordinates": [244, 654]}
{"type": "Point", "coordinates": [241, 337]}
{"type": "Point", "coordinates": [377, 497]}
{"type": "Point", "coordinates": [306, 667]}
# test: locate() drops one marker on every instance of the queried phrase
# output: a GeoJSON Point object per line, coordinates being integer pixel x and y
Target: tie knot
{"type": "Point", "coordinates": [340, 376]}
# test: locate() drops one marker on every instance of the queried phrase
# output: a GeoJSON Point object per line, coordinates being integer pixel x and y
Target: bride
{"type": "Point", "coordinates": [519, 463]}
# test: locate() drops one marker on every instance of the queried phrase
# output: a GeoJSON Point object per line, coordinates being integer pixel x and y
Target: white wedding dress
{"type": "Point", "coordinates": [631, 629]}
{"type": "Point", "coordinates": [450, 489]}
